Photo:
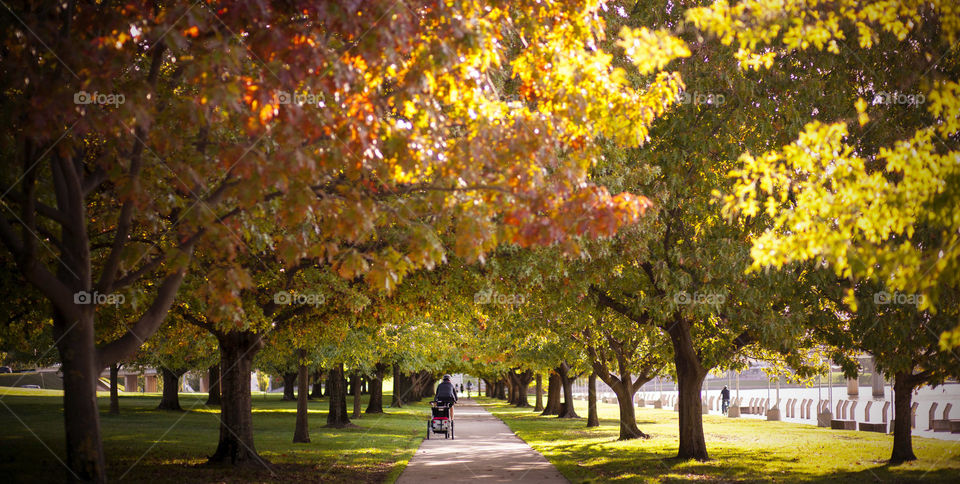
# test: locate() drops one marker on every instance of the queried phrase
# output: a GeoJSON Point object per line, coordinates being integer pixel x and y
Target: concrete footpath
{"type": "Point", "coordinates": [485, 450]}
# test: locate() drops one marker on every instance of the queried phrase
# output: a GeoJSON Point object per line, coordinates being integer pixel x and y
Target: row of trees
{"type": "Point", "coordinates": [284, 177]}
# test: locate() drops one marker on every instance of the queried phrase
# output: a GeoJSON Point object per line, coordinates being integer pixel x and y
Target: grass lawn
{"type": "Point", "coordinates": [742, 450]}
{"type": "Point", "coordinates": [148, 445]}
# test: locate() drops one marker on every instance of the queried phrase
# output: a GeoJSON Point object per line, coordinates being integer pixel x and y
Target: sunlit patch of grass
{"type": "Point", "coordinates": [741, 450]}
{"type": "Point", "coordinates": [144, 444]}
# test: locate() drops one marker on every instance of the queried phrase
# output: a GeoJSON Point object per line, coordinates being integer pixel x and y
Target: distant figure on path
{"type": "Point", "coordinates": [469, 386]}
{"type": "Point", "coordinates": [725, 396]}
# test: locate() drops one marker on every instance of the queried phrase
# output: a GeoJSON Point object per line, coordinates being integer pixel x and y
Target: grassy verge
{"type": "Point", "coordinates": [742, 450]}
{"type": "Point", "coordinates": [148, 445]}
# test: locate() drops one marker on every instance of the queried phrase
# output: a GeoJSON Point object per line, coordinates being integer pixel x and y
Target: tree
{"type": "Point", "coordinates": [174, 154]}
{"type": "Point", "coordinates": [178, 348]}
{"type": "Point", "coordinates": [632, 352]}
{"type": "Point", "coordinates": [876, 203]}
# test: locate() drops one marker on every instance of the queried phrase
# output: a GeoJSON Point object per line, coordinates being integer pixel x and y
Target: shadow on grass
{"type": "Point", "coordinates": [740, 451]}
{"type": "Point", "coordinates": [284, 472]}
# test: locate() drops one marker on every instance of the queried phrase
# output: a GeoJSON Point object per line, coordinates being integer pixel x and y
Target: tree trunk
{"type": "Point", "coordinates": [902, 415]}
{"type": "Point", "coordinates": [566, 408]}
{"type": "Point", "coordinates": [396, 400]}
{"type": "Point", "coordinates": [487, 388]}
{"type": "Point", "coordinates": [213, 393]}
{"type": "Point", "coordinates": [357, 392]}
{"type": "Point", "coordinates": [624, 386]}
{"type": "Point", "coordinates": [301, 433]}
{"type": "Point", "coordinates": [425, 388]}
{"type": "Point", "coordinates": [289, 380]}
{"type": "Point", "coordinates": [690, 374]}
{"type": "Point", "coordinates": [539, 404]}
{"type": "Point", "coordinates": [171, 388]}
{"type": "Point", "coordinates": [375, 405]}
{"type": "Point", "coordinates": [511, 388]}
{"type": "Point", "coordinates": [521, 383]}
{"type": "Point", "coordinates": [337, 397]}
{"type": "Point", "coordinates": [237, 349]}
{"type": "Point", "coordinates": [593, 419]}
{"type": "Point", "coordinates": [500, 390]}
{"type": "Point", "coordinates": [553, 394]}
{"type": "Point", "coordinates": [522, 400]}
{"type": "Point", "coordinates": [80, 412]}
{"type": "Point", "coordinates": [317, 384]}
{"type": "Point", "coordinates": [114, 391]}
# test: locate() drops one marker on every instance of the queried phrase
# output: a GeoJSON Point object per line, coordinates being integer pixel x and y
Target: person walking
{"type": "Point", "coordinates": [469, 386]}
{"type": "Point", "coordinates": [725, 398]}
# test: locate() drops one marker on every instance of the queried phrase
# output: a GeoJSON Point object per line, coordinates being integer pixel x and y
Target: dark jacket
{"type": "Point", "coordinates": [446, 392]}
{"type": "Point", "coordinates": [725, 394]}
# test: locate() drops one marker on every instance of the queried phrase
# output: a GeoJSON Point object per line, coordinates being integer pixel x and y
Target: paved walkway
{"type": "Point", "coordinates": [485, 450]}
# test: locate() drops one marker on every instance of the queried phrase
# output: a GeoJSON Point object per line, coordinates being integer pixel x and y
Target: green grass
{"type": "Point", "coordinates": [741, 450]}
{"type": "Point", "coordinates": [148, 445]}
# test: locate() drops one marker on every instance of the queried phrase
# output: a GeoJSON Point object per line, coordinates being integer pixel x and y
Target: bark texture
{"type": "Point", "coordinates": [114, 391]}
{"type": "Point", "coordinates": [235, 447]}
{"type": "Point", "coordinates": [553, 394]}
{"type": "Point", "coordinates": [567, 409]}
{"type": "Point", "coordinates": [301, 433]}
{"type": "Point", "coordinates": [357, 392]}
{"type": "Point", "coordinates": [289, 381]}
{"type": "Point", "coordinates": [690, 375]}
{"type": "Point", "coordinates": [375, 404]}
{"type": "Point", "coordinates": [213, 393]}
{"type": "Point", "coordinates": [171, 389]}
{"type": "Point", "coordinates": [337, 397]}
{"type": "Point", "coordinates": [593, 419]}
{"type": "Point", "coordinates": [538, 406]}
{"type": "Point", "coordinates": [903, 386]}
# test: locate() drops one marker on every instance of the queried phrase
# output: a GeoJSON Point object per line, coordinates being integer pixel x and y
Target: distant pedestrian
{"type": "Point", "coordinates": [461, 388]}
{"type": "Point", "coordinates": [725, 397]}
{"type": "Point", "coordinates": [469, 386]}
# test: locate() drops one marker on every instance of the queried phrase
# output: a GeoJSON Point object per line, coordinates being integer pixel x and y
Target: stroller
{"type": "Point", "coordinates": [441, 419]}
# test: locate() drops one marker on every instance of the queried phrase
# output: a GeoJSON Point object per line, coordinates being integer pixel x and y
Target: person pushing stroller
{"type": "Point", "coordinates": [441, 420]}
{"type": "Point", "coordinates": [446, 393]}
